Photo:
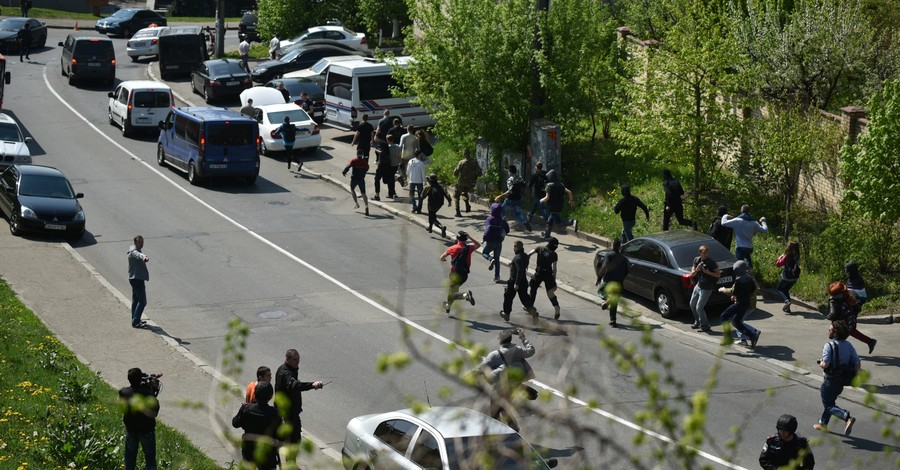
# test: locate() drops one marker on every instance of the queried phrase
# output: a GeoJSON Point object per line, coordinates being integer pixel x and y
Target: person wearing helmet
{"type": "Point", "coordinates": [460, 255]}
{"type": "Point", "coordinates": [786, 447]}
{"type": "Point", "coordinates": [545, 272]}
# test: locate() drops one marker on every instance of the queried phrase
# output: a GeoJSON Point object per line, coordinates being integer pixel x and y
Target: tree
{"type": "Point", "coordinates": [287, 18]}
{"type": "Point", "coordinates": [376, 14]}
{"type": "Point", "coordinates": [814, 51]}
{"type": "Point", "coordinates": [871, 166]}
{"type": "Point", "coordinates": [679, 110]}
{"type": "Point", "coordinates": [474, 66]}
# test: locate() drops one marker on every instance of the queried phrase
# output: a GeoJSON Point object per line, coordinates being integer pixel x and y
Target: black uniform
{"type": "Point", "coordinates": [777, 453]}
{"type": "Point", "coordinates": [258, 420]}
{"type": "Point", "coordinates": [517, 283]}
{"type": "Point", "coordinates": [543, 273]}
{"type": "Point", "coordinates": [286, 382]}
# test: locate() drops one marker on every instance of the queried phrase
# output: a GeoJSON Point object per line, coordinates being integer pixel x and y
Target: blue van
{"type": "Point", "coordinates": [208, 143]}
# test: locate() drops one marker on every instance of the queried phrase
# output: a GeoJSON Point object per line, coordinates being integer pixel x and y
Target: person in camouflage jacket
{"type": "Point", "coordinates": [467, 173]}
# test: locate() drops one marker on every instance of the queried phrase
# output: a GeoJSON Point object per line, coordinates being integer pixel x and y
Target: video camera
{"type": "Point", "coordinates": [152, 382]}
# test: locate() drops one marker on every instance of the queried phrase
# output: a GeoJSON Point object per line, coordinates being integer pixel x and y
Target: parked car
{"type": "Point", "coordinates": [270, 116]}
{"type": "Point", "coordinates": [659, 267]}
{"type": "Point", "coordinates": [9, 30]}
{"type": "Point", "coordinates": [348, 49]}
{"type": "Point", "coordinates": [247, 28]}
{"type": "Point", "coordinates": [13, 144]}
{"type": "Point", "coordinates": [218, 78]}
{"type": "Point", "coordinates": [40, 199]}
{"type": "Point", "coordinates": [128, 20]}
{"type": "Point", "coordinates": [335, 33]}
{"type": "Point", "coordinates": [144, 43]}
{"type": "Point", "coordinates": [441, 437]}
{"type": "Point", "coordinates": [296, 60]}
{"type": "Point", "coordinates": [139, 105]}
{"type": "Point", "coordinates": [318, 70]}
{"type": "Point", "coordinates": [85, 56]}
{"type": "Point", "coordinates": [296, 86]}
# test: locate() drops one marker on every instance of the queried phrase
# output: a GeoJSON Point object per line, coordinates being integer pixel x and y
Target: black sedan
{"type": "Point", "coordinates": [9, 30]}
{"type": "Point", "coordinates": [129, 20]}
{"type": "Point", "coordinates": [298, 59]}
{"type": "Point", "coordinates": [218, 78]}
{"type": "Point", "coordinates": [40, 199]}
{"type": "Point", "coordinates": [659, 267]}
{"type": "Point", "coordinates": [296, 86]}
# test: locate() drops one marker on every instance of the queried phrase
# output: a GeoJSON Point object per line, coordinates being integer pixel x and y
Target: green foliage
{"type": "Point", "coordinates": [474, 66]}
{"type": "Point", "coordinates": [74, 388]}
{"type": "Point", "coordinates": [871, 167]}
{"type": "Point", "coordinates": [288, 18]}
{"type": "Point", "coordinates": [814, 51]}
{"type": "Point", "coordinates": [78, 436]}
{"type": "Point", "coordinates": [207, 8]}
{"type": "Point", "coordinates": [378, 15]}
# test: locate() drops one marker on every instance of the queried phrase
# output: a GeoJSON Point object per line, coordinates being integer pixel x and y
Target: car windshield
{"type": "Point", "coordinates": [146, 33]}
{"type": "Point", "coordinates": [225, 68]}
{"type": "Point", "coordinates": [231, 133]}
{"type": "Point", "coordinates": [320, 66]}
{"type": "Point", "coordinates": [94, 48]}
{"type": "Point", "coordinates": [123, 14]}
{"type": "Point", "coordinates": [151, 99]}
{"type": "Point", "coordinates": [248, 18]}
{"type": "Point", "coordinates": [46, 186]}
{"type": "Point", "coordinates": [295, 115]}
{"type": "Point", "coordinates": [10, 133]}
{"type": "Point", "coordinates": [11, 24]}
{"type": "Point", "coordinates": [291, 55]}
{"type": "Point", "coordinates": [685, 254]}
{"type": "Point", "coordinates": [508, 452]}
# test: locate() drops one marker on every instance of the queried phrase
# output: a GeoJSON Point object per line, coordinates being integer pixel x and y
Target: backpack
{"type": "Point", "coordinates": [426, 147]}
{"type": "Point", "coordinates": [458, 263]}
{"type": "Point", "coordinates": [436, 197]}
{"type": "Point", "coordinates": [289, 132]}
{"type": "Point", "coordinates": [515, 193]}
{"type": "Point", "coordinates": [842, 374]}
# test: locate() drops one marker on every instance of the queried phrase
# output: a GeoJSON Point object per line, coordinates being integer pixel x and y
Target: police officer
{"type": "Point", "coordinates": [786, 447]}
{"type": "Point", "coordinates": [518, 284]}
{"type": "Point", "coordinates": [545, 272]}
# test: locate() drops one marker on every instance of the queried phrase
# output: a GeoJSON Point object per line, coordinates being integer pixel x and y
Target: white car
{"type": "Point", "coordinates": [318, 70]}
{"type": "Point", "coordinates": [270, 116]}
{"type": "Point", "coordinates": [13, 144]}
{"type": "Point", "coordinates": [144, 43]}
{"type": "Point", "coordinates": [442, 437]}
{"type": "Point", "coordinates": [139, 104]}
{"type": "Point", "coordinates": [334, 33]}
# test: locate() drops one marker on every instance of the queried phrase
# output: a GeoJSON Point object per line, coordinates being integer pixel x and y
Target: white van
{"type": "Point", "coordinates": [319, 70]}
{"type": "Point", "coordinates": [139, 104]}
{"type": "Point", "coordinates": [357, 87]}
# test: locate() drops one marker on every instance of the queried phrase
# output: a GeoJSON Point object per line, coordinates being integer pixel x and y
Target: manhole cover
{"type": "Point", "coordinates": [277, 203]}
{"type": "Point", "coordinates": [271, 315]}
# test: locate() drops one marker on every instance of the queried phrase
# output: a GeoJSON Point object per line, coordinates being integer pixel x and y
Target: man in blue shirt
{"type": "Point", "coordinates": [838, 354]}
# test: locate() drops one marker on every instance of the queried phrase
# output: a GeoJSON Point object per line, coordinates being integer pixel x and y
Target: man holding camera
{"type": "Point", "coordinates": [140, 408]}
{"type": "Point", "coordinates": [287, 382]}
{"type": "Point", "coordinates": [506, 369]}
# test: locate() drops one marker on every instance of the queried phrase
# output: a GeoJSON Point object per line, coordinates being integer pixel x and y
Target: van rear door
{"type": "Point", "coordinates": [339, 102]}
{"type": "Point", "coordinates": [229, 148]}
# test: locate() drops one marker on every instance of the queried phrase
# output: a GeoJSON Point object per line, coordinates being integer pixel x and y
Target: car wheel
{"type": "Point", "coordinates": [126, 128]}
{"type": "Point", "coordinates": [14, 225]}
{"type": "Point", "coordinates": [134, 58]}
{"type": "Point", "coordinates": [665, 303]}
{"type": "Point", "coordinates": [262, 147]}
{"type": "Point", "coordinates": [160, 155]}
{"type": "Point", "coordinates": [192, 175]}
{"type": "Point", "coordinates": [206, 95]}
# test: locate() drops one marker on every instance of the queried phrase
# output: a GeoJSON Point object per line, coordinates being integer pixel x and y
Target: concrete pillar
{"type": "Point", "coordinates": [850, 116]}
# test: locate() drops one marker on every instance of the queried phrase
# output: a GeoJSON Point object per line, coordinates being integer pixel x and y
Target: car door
{"type": "Point", "coordinates": [7, 191]}
{"type": "Point", "coordinates": [394, 438]}
{"type": "Point", "coordinates": [307, 59]}
{"type": "Point", "coordinates": [643, 258]}
{"type": "Point", "coordinates": [426, 451]}
{"type": "Point", "coordinates": [121, 103]}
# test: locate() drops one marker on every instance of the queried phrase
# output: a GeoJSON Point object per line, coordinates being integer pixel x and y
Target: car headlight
{"type": "Point", "coordinates": [79, 216]}
{"type": "Point", "coordinates": [260, 70]}
{"type": "Point", "coordinates": [27, 212]}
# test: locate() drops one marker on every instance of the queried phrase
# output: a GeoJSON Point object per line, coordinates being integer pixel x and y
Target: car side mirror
{"type": "Point", "coordinates": [28, 140]}
{"type": "Point", "coordinates": [60, 44]}
{"type": "Point", "coordinates": [79, 195]}
{"type": "Point", "coordinates": [111, 95]}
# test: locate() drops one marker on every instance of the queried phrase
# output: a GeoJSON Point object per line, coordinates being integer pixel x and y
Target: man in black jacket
{"type": "Point", "coordinates": [627, 208]}
{"type": "Point", "coordinates": [611, 270]}
{"type": "Point", "coordinates": [786, 447]}
{"type": "Point", "coordinates": [545, 272]}
{"type": "Point", "coordinates": [286, 382]}
{"type": "Point", "coordinates": [140, 407]}
{"type": "Point", "coordinates": [518, 284]}
{"type": "Point", "coordinates": [260, 422]}
{"type": "Point", "coordinates": [674, 206]}
{"type": "Point", "coordinates": [538, 185]}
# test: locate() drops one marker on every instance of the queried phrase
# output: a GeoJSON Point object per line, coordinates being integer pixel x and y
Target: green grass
{"type": "Point", "coordinates": [49, 14]}
{"type": "Point", "coordinates": [56, 411]}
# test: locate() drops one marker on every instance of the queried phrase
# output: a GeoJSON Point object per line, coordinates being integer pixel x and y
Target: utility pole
{"type": "Point", "coordinates": [220, 29]}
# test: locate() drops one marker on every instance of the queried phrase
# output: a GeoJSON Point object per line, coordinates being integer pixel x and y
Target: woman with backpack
{"type": "Point", "coordinates": [789, 262]}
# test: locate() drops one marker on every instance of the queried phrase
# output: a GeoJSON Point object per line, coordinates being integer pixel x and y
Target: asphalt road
{"type": "Point", "coordinates": [293, 259]}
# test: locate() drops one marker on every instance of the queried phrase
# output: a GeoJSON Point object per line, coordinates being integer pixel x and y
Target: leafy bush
{"type": "Point", "coordinates": [76, 437]}
{"type": "Point", "coordinates": [73, 388]}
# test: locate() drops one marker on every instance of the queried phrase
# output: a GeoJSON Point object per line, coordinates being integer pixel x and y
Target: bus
{"type": "Point", "coordinates": [357, 87]}
{"type": "Point", "coordinates": [181, 49]}
{"type": "Point", "coordinates": [6, 78]}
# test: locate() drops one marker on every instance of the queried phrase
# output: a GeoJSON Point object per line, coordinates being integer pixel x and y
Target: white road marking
{"type": "Point", "coordinates": [376, 305]}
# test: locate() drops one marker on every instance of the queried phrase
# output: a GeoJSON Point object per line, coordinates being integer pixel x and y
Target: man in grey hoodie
{"type": "Point", "coordinates": [744, 229]}
{"type": "Point", "coordinates": [137, 277]}
{"type": "Point", "coordinates": [498, 367]}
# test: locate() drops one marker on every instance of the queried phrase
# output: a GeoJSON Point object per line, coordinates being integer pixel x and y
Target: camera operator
{"type": "Point", "coordinates": [140, 408]}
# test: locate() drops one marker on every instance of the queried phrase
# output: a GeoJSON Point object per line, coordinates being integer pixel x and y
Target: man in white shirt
{"type": "Point", "coordinates": [416, 171]}
{"type": "Point", "coordinates": [274, 46]}
{"type": "Point", "coordinates": [408, 144]}
{"type": "Point", "coordinates": [244, 51]}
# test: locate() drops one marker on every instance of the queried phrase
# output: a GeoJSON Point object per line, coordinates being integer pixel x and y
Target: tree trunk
{"type": "Point", "coordinates": [698, 136]}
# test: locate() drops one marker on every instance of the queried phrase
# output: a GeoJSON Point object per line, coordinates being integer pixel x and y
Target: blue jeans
{"type": "Point", "coordinates": [539, 205]}
{"type": "Point", "coordinates": [784, 288]}
{"type": "Point", "coordinates": [495, 248]}
{"type": "Point", "coordinates": [829, 393]}
{"type": "Point", "coordinates": [416, 200]}
{"type": "Point", "coordinates": [699, 297]}
{"type": "Point", "coordinates": [145, 440]}
{"type": "Point", "coordinates": [517, 209]}
{"type": "Point", "coordinates": [138, 300]}
{"type": "Point", "coordinates": [738, 311]}
{"type": "Point", "coordinates": [742, 253]}
{"type": "Point", "coordinates": [627, 225]}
